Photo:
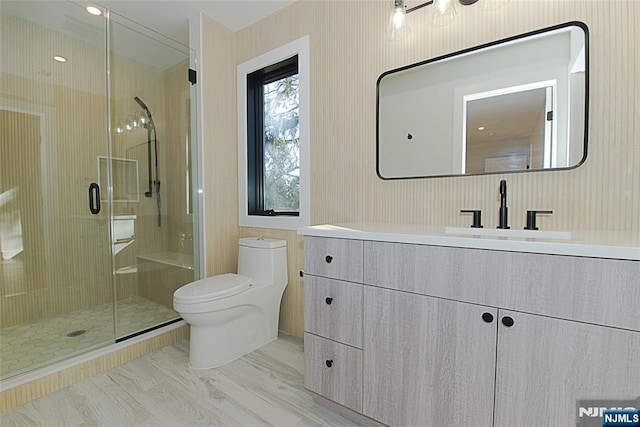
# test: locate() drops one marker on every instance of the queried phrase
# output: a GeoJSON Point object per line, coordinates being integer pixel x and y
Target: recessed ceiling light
{"type": "Point", "coordinates": [481, 128]}
{"type": "Point", "coordinates": [60, 58]}
{"type": "Point", "coordinates": [94, 10]}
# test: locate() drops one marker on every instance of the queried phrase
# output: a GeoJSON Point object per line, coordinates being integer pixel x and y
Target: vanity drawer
{"type": "Point", "coordinates": [333, 370]}
{"type": "Point", "coordinates": [454, 273]}
{"type": "Point", "coordinates": [593, 290]}
{"type": "Point", "coordinates": [333, 309]}
{"type": "Point", "coordinates": [334, 258]}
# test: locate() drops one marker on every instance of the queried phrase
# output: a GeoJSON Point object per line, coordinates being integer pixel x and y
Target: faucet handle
{"type": "Point", "coordinates": [477, 215]}
{"type": "Point", "coordinates": [531, 219]}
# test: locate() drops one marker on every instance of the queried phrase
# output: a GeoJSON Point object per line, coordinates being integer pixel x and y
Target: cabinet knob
{"type": "Point", "coordinates": [328, 363]}
{"type": "Point", "coordinates": [487, 317]}
{"type": "Point", "coordinates": [328, 300]}
{"type": "Point", "coordinates": [507, 321]}
{"type": "Point", "coordinates": [328, 258]}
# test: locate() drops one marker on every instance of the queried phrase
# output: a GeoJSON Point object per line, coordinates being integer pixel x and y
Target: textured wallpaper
{"type": "Point", "coordinates": [349, 50]}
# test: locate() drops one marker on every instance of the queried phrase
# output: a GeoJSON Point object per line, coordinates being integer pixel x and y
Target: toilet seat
{"type": "Point", "coordinates": [212, 288]}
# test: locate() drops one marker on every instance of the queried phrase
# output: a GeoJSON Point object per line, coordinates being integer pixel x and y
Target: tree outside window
{"type": "Point", "coordinates": [281, 145]}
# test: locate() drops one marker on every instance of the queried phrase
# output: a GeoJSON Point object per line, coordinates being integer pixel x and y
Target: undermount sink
{"type": "Point", "coordinates": [498, 232]}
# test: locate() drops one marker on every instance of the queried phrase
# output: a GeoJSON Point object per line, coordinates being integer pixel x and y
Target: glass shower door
{"type": "Point", "coordinates": [153, 213]}
{"type": "Point", "coordinates": [56, 292]}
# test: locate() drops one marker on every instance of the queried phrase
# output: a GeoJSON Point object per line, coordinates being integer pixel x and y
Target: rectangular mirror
{"type": "Point", "coordinates": [514, 105]}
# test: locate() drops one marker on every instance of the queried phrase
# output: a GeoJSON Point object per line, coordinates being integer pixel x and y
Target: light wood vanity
{"type": "Point", "coordinates": [415, 333]}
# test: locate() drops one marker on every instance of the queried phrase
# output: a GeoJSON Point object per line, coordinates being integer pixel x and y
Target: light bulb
{"type": "Point", "coordinates": [442, 12]}
{"type": "Point", "coordinates": [119, 127]}
{"type": "Point", "coordinates": [133, 119]}
{"type": "Point", "coordinates": [128, 126]}
{"type": "Point", "coordinates": [399, 17]}
{"type": "Point", "coordinates": [94, 10]}
{"type": "Point", "coordinates": [398, 27]}
{"type": "Point", "coordinates": [142, 118]}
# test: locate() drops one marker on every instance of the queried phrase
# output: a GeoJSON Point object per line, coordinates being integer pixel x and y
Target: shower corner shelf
{"type": "Point", "coordinates": [129, 269]}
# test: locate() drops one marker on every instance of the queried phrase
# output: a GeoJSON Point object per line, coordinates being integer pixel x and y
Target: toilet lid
{"type": "Point", "coordinates": [212, 288]}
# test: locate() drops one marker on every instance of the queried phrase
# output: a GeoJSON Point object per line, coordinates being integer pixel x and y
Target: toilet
{"type": "Point", "coordinates": [230, 315]}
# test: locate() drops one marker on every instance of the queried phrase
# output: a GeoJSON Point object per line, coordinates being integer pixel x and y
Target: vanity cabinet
{"type": "Point", "coordinates": [432, 361]}
{"type": "Point", "coordinates": [458, 336]}
{"type": "Point", "coordinates": [333, 294]}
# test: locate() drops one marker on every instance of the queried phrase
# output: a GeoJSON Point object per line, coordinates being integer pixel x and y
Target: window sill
{"type": "Point", "coordinates": [278, 222]}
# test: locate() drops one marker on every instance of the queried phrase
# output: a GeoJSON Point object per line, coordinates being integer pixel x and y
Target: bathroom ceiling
{"type": "Point", "coordinates": [170, 17]}
{"type": "Point", "coordinates": [167, 17]}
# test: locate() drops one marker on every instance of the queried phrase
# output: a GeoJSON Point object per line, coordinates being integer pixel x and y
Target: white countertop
{"type": "Point", "coordinates": [595, 244]}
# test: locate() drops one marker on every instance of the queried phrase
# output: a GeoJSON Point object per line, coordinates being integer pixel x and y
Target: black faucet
{"type": "Point", "coordinates": [503, 219]}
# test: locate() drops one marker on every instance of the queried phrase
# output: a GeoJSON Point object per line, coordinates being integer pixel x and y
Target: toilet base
{"type": "Point", "coordinates": [244, 330]}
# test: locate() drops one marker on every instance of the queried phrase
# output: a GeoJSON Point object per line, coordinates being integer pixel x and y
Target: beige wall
{"type": "Point", "coordinates": [349, 51]}
{"type": "Point", "coordinates": [219, 148]}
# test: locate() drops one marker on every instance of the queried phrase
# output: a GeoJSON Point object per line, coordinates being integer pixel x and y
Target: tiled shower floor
{"type": "Point", "coordinates": [24, 347]}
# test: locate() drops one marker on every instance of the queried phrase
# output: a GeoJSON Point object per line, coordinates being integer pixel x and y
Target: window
{"type": "Point", "coordinates": [273, 138]}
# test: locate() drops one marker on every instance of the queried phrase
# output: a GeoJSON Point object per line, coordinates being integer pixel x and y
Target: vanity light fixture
{"type": "Point", "coordinates": [442, 13]}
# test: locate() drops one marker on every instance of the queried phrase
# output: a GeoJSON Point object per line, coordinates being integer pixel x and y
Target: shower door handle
{"type": "Point", "coordinates": [94, 198]}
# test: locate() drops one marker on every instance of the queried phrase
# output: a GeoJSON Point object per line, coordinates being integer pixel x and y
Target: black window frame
{"type": "Point", "coordinates": [255, 133]}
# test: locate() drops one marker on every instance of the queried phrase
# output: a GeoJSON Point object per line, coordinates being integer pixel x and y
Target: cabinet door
{"type": "Point", "coordinates": [427, 361]}
{"type": "Point", "coordinates": [545, 366]}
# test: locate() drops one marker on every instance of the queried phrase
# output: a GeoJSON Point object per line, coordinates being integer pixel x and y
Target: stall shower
{"type": "Point", "coordinates": [92, 247]}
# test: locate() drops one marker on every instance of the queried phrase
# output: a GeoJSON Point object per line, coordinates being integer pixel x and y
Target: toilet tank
{"type": "Point", "coordinates": [264, 260]}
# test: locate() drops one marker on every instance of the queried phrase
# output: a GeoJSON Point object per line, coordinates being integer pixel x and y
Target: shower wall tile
{"type": "Point", "coordinates": [349, 51]}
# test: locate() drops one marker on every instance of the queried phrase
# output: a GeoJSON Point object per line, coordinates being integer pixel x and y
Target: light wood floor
{"type": "Point", "coordinates": [264, 388]}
